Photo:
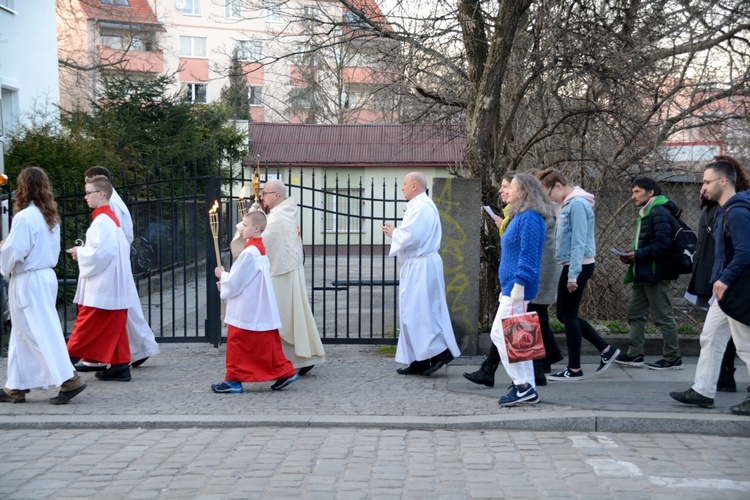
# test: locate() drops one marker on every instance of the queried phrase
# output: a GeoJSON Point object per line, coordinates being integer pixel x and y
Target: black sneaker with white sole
{"type": "Point", "coordinates": [566, 375]}
{"type": "Point", "coordinates": [634, 361]}
{"type": "Point", "coordinates": [663, 364]}
{"type": "Point", "coordinates": [606, 360]}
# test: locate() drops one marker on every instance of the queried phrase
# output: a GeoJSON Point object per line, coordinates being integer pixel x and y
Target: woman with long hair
{"type": "Point", "coordinates": [486, 373]}
{"type": "Point", "coordinates": [37, 355]}
{"type": "Point", "coordinates": [520, 264]}
{"type": "Point", "coordinates": [575, 251]}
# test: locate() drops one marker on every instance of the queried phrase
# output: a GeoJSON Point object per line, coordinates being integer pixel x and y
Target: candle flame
{"type": "Point", "coordinates": [242, 192]}
{"type": "Point", "coordinates": [214, 208]}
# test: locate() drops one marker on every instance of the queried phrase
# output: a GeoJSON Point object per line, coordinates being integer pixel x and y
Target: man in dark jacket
{"type": "Point", "coordinates": [732, 260]}
{"type": "Point", "coordinates": [651, 276]}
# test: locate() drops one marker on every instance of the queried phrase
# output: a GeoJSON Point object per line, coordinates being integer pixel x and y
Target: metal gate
{"type": "Point", "coordinates": [352, 283]}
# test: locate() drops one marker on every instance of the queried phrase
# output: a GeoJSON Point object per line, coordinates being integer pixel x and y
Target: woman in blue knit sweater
{"type": "Point", "coordinates": [520, 265]}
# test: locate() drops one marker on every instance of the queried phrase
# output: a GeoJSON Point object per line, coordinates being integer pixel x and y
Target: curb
{"type": "Point", "coordinates": [710, 424]}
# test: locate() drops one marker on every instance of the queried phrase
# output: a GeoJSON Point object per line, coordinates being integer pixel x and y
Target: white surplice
{"type": "Point", "coordinates": [105, 280]}
{"type": "Point", "coordinates": [140, 336]}
{"type": "Point", "coordinates": [299, 333]}
{"type": "Point", "coordinates": [426, 328]}
{"type": "Point", "coordinates": [248, 290]}
{"type": "Point", "coordinates": [37, 356]}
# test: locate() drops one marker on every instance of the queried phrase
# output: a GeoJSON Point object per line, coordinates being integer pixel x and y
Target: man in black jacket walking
{"type": "Point", "coordinates": [651, 276]}
{"type": "Point", "coordinates": [731, 261]}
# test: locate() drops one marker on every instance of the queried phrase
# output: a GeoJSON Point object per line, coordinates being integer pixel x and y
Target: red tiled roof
{"type": "Point", "coordinates": [356, 145]}
{"type": "Point", "coordinates": [138, 11]}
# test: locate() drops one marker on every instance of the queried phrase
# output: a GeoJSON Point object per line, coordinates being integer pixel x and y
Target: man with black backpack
{"type": "Point", "coordinates": [729, 314]}
{"type": "Point", "coordinates": [652, 270]}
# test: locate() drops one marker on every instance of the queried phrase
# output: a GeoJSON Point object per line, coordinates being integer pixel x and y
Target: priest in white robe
{"type": "Point", "coordinates": [299, 333]}
{"type": "Point", "coordinates": [141, 339]}
{"type": "Point", "coordinates": [426, 340]}
{"type": "Point", "coordinates": [37, 356]}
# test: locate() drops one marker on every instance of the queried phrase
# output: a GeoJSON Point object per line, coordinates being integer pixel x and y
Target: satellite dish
{"type": "Point", "coordinates": [180, 4]}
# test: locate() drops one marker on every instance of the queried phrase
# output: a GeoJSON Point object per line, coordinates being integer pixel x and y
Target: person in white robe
{"type": "Point", "coordinates": [105, 289]}
{"type": "Point", "coordinates": [426, 340]}
{"type": "Point", "coordinates": [141, 338]}
{"type": "Point", "coordinates": [37, 356]}
{"type": "Point", "coordinates": [299, 333]}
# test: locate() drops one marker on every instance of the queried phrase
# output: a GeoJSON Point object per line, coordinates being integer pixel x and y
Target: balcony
{"type": "Point", "coordinates": [132, 60]}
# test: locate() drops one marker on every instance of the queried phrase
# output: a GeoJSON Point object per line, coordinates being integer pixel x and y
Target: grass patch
{"type": "Point", "coordinates": [616, 327]}
{"type": "Point", "coordinates": [386, 350]}
{"type": "Point", "coordinates": [687, 330]}
{"type": "Point", "coordinates": [556, 326]}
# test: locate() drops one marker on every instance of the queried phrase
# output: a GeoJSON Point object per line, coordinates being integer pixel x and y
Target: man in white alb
{"type": "Point", "coordinates": [426, 341]}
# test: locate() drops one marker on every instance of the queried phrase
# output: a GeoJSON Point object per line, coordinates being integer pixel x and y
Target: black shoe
{"type": "Point", "coordinates": [304, 370]}
{"type": "Point", "coordinates": [86, 368]}
{"type": "Point", "coordinates": [726, 381]}
{"type": "Point", "coordinates": [17, 397]}
{"type": "Point", "coordinates": [690, 397]}
{"type": "Point", "coordinates": [437, 362]}
{"type": "Point", "coordinates": [117, 373]}
{"type": "Point", "coordinates": [136, 364]}
{"type": "Point", "coordinates": [64, 397]}
{"type": "Point", "coordinates": [434, 366]}
{"type": "Point", "coordinates": [415, 368]}
{"type": "Point", "coordinates": [485, 375]}
{"type": "Point", "coordinates": [634, 361]}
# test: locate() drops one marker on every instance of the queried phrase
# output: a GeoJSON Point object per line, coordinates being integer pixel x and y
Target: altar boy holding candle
{"type": "Point", "coordinates": [254, 352]}
{"type": "Point", "coordinates": [105, 288]}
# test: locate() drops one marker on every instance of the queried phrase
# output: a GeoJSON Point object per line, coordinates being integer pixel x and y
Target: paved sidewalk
{"type": "Point", "coordinates": [357, 387]}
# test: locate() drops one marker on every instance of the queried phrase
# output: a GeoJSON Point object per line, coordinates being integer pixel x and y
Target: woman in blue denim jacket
{"type": "Point", "coordinates": [576, 250]}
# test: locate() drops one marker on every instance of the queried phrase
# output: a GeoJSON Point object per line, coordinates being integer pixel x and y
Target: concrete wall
{"type": "Point", "coordinates": [460, 204]}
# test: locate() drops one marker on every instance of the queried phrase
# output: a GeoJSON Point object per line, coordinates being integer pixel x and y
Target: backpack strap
{"type": "Point", "coordinates": [725, 222]}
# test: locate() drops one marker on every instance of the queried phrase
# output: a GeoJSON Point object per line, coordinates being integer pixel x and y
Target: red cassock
{"type": "Point", "coordinates": [255, 356]}
{"type": "Point", "coordinates": [100, 335]}
{"type": "Point", "coordinates": [254, 352]}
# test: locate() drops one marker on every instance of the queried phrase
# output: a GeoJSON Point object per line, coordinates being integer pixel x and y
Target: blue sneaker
{"type": "Point", "coordinates": [283, 382]}
{"type": "Point", "coordinates": [518, 395]}
{"type": "Point", "coordinates": [227, 387]}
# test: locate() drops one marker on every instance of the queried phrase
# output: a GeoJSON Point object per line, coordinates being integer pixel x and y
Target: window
{"type": "Point", "coordinates": [194, 92]}
{"type": "Point", "coordinates": [115, 2]}
{"type": "Point", "coordinates": [193, 46]}
{"type": "Point", "coordinates": [302, 55]}
{"type": "Point", "coordinates": [8, 4]}
{"type": "Point", "coordinates": [311, 14]}
{"type": "Point", "coordinates": [354, 21]}
{"type": "Point", "coordinates": [113, 42]}
{"type": "Point", "coordinates": [273, 10]}
{"type": "Point", "coordinates": [250, 50]}
{"type": "Point", "coordinates": [343, 211]}
{"type": "Point", "coordinates": [255, 95]}
{"type": "Point", "coordinates": [301, 98]}
{"type": "Point", "coordinates": [233, 9]}
{"type": "Point", "coordinates": [192, 8]}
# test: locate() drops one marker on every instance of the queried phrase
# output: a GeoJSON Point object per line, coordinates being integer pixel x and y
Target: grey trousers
{"type": "Point", "coordinates": [653, 297]}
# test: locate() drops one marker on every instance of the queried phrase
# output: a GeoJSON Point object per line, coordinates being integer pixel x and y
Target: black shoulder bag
{"type": "Point", "coordinates": [736, 301]}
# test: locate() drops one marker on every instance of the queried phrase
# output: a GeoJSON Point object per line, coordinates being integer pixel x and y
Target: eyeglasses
{"type": "Point", "coordinates": [706, 183]}
{"type": "Point", "coordinates": [268, 192]}
{"type": "Point", "coordinates": [92, 192]}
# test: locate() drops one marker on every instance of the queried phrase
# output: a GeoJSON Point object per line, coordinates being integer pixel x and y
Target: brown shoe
{"type": "Point", "coordinates": [13, 395]}
{"type": "Point", "coordinates": [72, 383]}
